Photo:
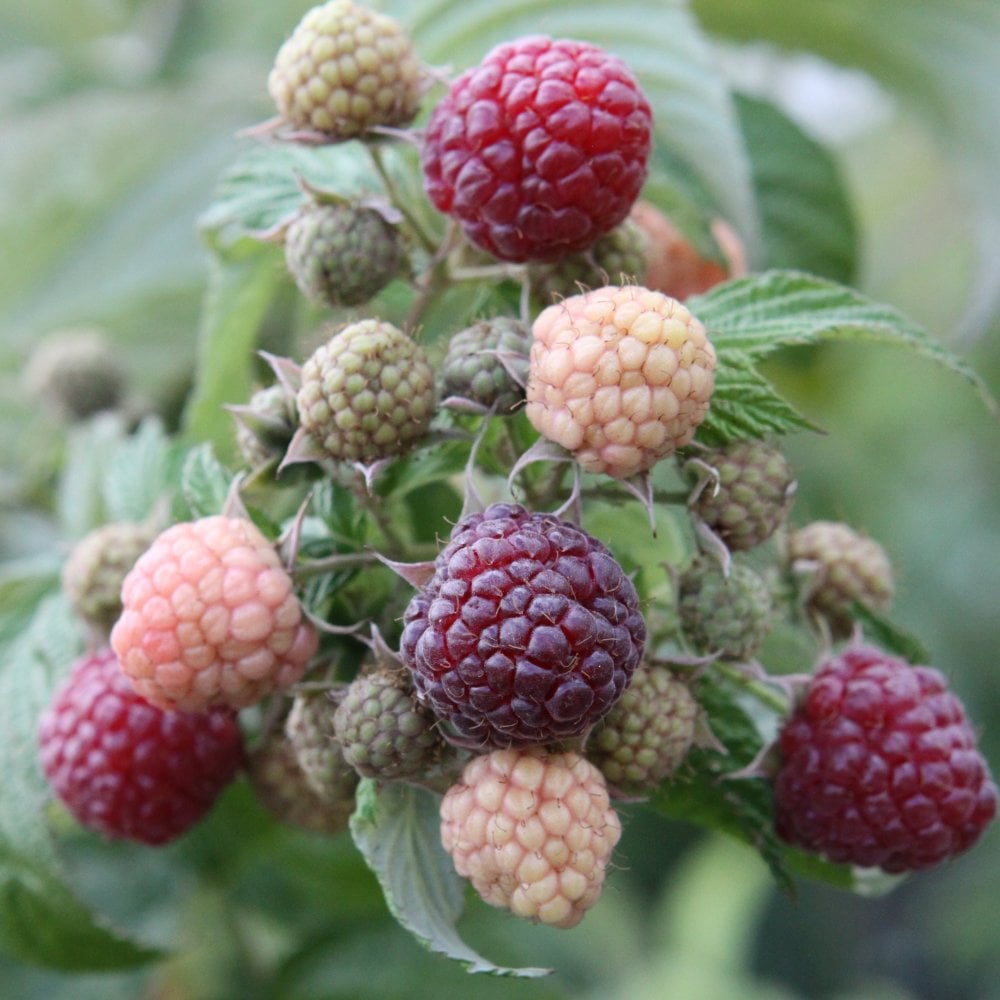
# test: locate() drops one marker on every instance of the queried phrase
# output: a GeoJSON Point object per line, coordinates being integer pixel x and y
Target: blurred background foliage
{"type": "Point", "coordinates": [118, 117]}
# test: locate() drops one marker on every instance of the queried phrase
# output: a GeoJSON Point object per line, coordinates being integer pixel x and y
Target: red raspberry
{"type": "Point", "coordinates": [540, 149]}
{"type": "Point", "coordinates": [527, 633]}
{"type": "Point", "coordinates": [210, 618]}
{"type": "Point", "coordinates": [880, 767]}
{"type": "Point", "coordinates": [126, 768]}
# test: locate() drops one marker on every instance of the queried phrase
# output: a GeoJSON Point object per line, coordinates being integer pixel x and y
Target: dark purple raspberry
{"type": "Point", "coordinates": [880, 767]}
{"type": "Point", "coordinates": [527, 633]}
{"type": "Point", "coordinates": [128, 769]}
{"type": "Point", "coordinates": [540, 149]}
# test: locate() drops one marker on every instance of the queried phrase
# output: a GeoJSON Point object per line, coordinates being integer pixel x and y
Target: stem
{"type": "Point", "coordinates": [426, 240]}
{"type": "Point", "coordinates": [317, 567]}
{"type": "Point", "coordinates": [433, 279]}
{"type": "Point", "coordinates": [758, 689]}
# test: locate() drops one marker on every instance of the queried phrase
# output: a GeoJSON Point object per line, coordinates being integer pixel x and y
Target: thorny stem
{"type": "Point", "coordinates": [756, 688]}
{"type": "Point", "coordinates": [426, 240]}
{"type": "Point", "coordinates": [434, 278]}
{"type": "Point", "coordinates": [607, 492]}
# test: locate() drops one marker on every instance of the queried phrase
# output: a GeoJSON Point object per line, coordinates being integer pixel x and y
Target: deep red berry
{"type": "Point", "coordinates": [527, 633]}
{"type": "Point", "coordinates": [540, 149]}
{"type": "Point", "coordinates": [126, 768]}
{"type": "Point", "coordinates": [880, 766]}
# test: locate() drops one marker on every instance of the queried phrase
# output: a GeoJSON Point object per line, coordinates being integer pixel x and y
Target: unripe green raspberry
{"type": "Point", "coordinates": [77, 373]}
{"type": "Point", "coordinates": [367, 393]}
{"type": "Point", "coordinates": [473, 371]}
{"type": "Point", "coordinates": [264, 430]}
{"type": "Point", "coordinates": [384, 732]}
{"type": "Point", "coordinates": [620, 377]}
{"type": "Point", "coordinates": [617, 256]}
{"type": "Point", "coordinates": [754, 491]}
{"type": "Point", "coordinates": [280, 785]}
{"type": "Point", "coordinates": [647, 735]}
{"type": "Point", "coordinates": [342, 254]}
{"type": "Point", "coordinates": [309, 728]}
{"type": "Point", "coordinates": [844, 567]}
{"type": "Point", "coordinates": [344, 69]}
{"type": "Point", "coordinates": [729, 615]}
{"type": "Point", "coordinates": [533, 831]}
{"type": "Point", "coordinates": [97, 565]}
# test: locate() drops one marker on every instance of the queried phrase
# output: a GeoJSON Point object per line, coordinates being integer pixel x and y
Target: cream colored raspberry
{"type": "Point", "coordinates": [344, 69]}
{"type": "Point", "coordinates": [845, 566]}
{"type": "Point", "coordinates": [620, 376]}
{"type": "Point", "coordinates": [210, 618]}
{"type": "Point", "coordinates": [533, 832]}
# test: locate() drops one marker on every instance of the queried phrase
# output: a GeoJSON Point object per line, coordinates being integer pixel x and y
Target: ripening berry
{"type": "Point", "coordinates": [344, 69]}
{"type": "Point", "coordinates": [210, 618]}
{"type": "Point", "coordinates": [533, 832]}
{"type": "Point", "coordinates": [620, 377]}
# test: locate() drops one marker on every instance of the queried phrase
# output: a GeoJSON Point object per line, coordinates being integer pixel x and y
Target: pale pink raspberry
{"type": "Point", "coordinates": [619, 376]}
{"type": "Point", "coordinates": [533, 831]}
{"type": "Point", "coordinates": [210, 618]}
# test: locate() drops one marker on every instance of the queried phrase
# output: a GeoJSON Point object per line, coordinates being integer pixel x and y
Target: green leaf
{"type": "Point", "coordinates": [40, 920]}
{"type": "Point", "coordinates": [240, 290]}
{"type": "Point", "coordinates": [890, 636]}
{"type": "Point", "coordinates": [205, 482]}
{"type": "Point", "coordinates": [746, 405]}
{"type": "Point", "coordinates": [937, 56]}
{"type": "Point", "coordinates": [694, 119]}
{"type": "Point", "coordinates": [741, 807]}
{"type": "Point", "coordinates": [261, 188]}
{"type": "Point", "coordinates": [23, 583]}
{"type": "Point", "coordinates": [806, 218]}
{"type": "Point", "coordinates": [138, 473]}
{"type": "Point", "coordinates": [397, 829]}
{"type": "Point", "coordinates": [751, 318]}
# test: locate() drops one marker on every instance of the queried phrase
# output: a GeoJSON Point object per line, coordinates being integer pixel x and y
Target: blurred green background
{"type": "Point", "coordinates": [117, 117]}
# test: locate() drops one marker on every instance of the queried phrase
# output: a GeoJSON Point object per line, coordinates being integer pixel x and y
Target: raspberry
{"type": "Point", "coordinates": [673, 265]}
{"type": "Point", "coordinates": [368, 393]}
{"type": "Point", "coordinates": [532, 831]}
{"type": "Point", "coordinates": [848, 567]}
{"type": "Point", "coordinates": [880, 766]}
{"type": "Point", "coordinates": [621, 377]}
{"type": "Point", "coordinates": [309, 728]}
{"type": "Point", "coordinates": [342, 254]}
{"type": "Point", "coordinates": [264, 428]}
{"type": "Point", "coordinates": [617, 256]}
{"type": "Point", "coordinates": [384, 732]}
{"type": "Point", "coordinates": [281, 787]}
{"type": "Point", "coordinates": [527, 633]}
{"type": "Point", "coordinates": [209, 618]}
{"type": "Point", "coordinates": [471, 371]}
{"type": "Point", "coordinates": [344, 69]}
{"type": "Point", "coordinates": [540, 149]}
{"type": "Point", "coordinates": [751, 499]}
{"type": "Point", "coordinates": [646, 736]}
{"type": "Point", "coordinates": [93, 573]}
{"type": "Point", "coordinates": [76, 372]}
{"type": "Point", "coordinates": [729, 615]}
{"type": "Point", "coordinates": [128, 769]}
